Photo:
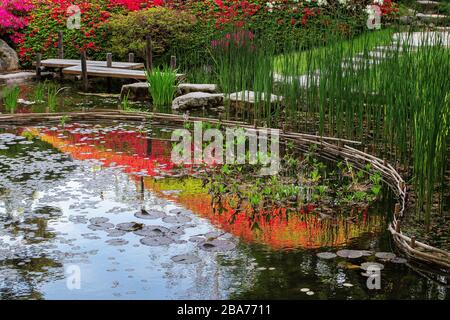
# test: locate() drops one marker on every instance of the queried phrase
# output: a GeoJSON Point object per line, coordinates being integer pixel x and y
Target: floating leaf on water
{"type": "Point", "coordinates": [156, 241]}
{"type": "Point", "coordinates": [399, 260]}
{"type": "Point", "coordinates": [326, 255]}
{"type": "Point", "coordinates": [101, 226]}
{"type": "Point", "coordinates": [185, 259]}
{"type": "Point", "coordinates": [152, 231]}
{"type": "Point", "coordinates": [348, 285]}
{"type": "Point", "coordinates": [115, 233]}
{"type": "Point", "coordinates": [351, 254]}
{"type": "Point", "coordinates": [177, 219]}
{"type": "Point", "coordinates": [130, 226]}
{"type": "Point", "coordinates": [385, 255]}
{"type": "Point", "coordinates": [217, 245]}
{"type": "Point", "coordinates": [117, 242]}
{"type": "Point", "coordinates": [354, 254]}
{"type": "Point", "coordinates": [367, 253]}
{"type": "Point", "coordinates": [374, 265]}
{"type": "Point", "coordinates": [98, 220]}
{"type": "Point", "coordinates": [150, 214]}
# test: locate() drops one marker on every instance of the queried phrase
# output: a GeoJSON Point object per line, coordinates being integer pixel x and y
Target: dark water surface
{"type": "Point", "coordinates": [71, 201]}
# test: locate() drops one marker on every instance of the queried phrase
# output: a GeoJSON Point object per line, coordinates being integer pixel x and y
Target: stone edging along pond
{"type": "Point", "coordinates": [332, 148]}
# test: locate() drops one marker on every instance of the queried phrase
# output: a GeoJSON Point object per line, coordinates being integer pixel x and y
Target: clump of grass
{"type": "Point", "coordinates": [39, 92]}
{"type": "Point", "coordinates": [162, 85]}
{"type": "Point", "coordinates": [52, 94]}
{"type": "Point", "coordinates": [125, 102]}
{"type": "Point", "coordinates": [10, 97]}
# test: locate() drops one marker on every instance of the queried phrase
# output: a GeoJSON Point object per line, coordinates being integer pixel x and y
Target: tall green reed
{"type": "Point", "coordinates": [10, 98]}
{"type": "Point", "coordinates": [162, 85]}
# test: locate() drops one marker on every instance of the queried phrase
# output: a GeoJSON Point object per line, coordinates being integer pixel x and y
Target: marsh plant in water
{"type": "Point", "coordinates": [162, 85]}
{"type": "Point", "coordinates": [10, 97]}
{"type": "Point", "coordinates": [390, 94]}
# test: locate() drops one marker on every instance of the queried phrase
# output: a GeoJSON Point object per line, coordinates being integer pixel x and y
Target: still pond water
{"type": "Point", "coordinates": [104, 202]}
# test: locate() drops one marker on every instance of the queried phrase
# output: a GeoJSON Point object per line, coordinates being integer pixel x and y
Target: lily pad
{"type": "Point", "coordinates": [150, 214]}
{"type": "Point", "coordinates": [351, 254]}
{"type": "Point", "coordinates": [117, 242]}
{"type": "Point", "coordinates": [101, 226]}
{"type": "Point", "coordinates": [152, 231]}
{"type": "Point", "coordinates": [178, 219]}
{"type": "Point", "coordinates": [185, 259]}
{"type": "Point", "coordinates": [398, 260]}
{"type": "Point", "coordinates": [326, 255]}
{"type": "Point", "coordinates": [366, 265]}
{"type": "Point", "coordinates": [217, 245]}
{"type": "Point", "coordinates": [130, 226]}
{"type": "Point", "coordinates": [385, 255]}
{"type": "Point", "coordinates": [115, 233]}
{"type": "Point", "coordinates": [156, 241]}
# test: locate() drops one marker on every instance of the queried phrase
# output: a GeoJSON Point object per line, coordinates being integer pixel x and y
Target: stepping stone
{"type": "Point", "coordinates": [197, 100]}
{"type": "Point", "coordinates": [17, 76]}
{"type": "Point", "coordinates": [417, 39]}
{"type": "Point", "coordinates": [428, 6]}
{"type": "Point", "coordinates": [186, 88]}
{"type": "Point", "coordinates": [136, 92]}
{"type": "Point", "coordinates": [304, 81]}
{"type": "Point", "coordinates": [246, 97]}
{"type": "Point", "coordinates": [430, 17]}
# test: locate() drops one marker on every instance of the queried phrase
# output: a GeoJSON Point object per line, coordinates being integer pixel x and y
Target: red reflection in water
{"type": "Point", "coordinates": [136, 153]}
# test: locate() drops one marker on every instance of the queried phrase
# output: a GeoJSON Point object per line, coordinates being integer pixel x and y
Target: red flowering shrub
{"type": "Point", "coordinates": [278, 19]}
{"type": "Point", "coordinates": [13, 17]}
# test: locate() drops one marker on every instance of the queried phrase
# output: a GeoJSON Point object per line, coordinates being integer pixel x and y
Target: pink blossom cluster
{"type": "Point", "coordinates": [13, 14]}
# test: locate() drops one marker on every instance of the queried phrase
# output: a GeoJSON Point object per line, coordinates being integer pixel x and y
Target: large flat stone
{"type": "Point", "coordinates": [17, 76]}
{"type": "Point", "coordinates": [197, 100]}
{"type": "Point", "coordinates": [136, 91]}
{"type": "Point", "coordinates": [252, 97]}
{"type": "Point", "coordinates": [186, 88]}
{"type": "Point", "coordinates": [417, 39]}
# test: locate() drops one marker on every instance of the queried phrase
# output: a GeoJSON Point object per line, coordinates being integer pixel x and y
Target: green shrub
{"type": "Point", "coordinates": [170, 30]}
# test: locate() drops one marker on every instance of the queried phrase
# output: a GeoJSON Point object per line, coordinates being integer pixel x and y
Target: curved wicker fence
{"type": "Point", "coordinates": [331, 148]}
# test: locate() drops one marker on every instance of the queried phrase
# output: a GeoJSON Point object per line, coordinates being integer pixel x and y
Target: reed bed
{"type": "Point", "coordinates": [392, 96]}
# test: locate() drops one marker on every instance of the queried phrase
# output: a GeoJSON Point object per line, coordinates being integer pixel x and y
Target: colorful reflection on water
{"type": "Point", "coordinates": [53, 181]}
{"type": "Point", "coordinates": [135, 153]}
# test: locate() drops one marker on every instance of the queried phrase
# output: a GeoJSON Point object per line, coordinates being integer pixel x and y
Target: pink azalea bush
{"type": "Point", "coordinates": [13, 17]}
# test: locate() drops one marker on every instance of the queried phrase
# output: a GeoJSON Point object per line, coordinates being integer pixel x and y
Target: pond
{"type": "Point", "coordinates": [104, 202]}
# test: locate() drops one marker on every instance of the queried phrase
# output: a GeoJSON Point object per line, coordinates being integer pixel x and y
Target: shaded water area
{"type": "Point", "coordinates": [106, 200]}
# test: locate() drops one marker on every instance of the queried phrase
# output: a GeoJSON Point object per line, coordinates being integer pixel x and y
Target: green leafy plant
{"type": "Point", "coordinates": [162, 85]}
{"type": "Point", "coordinates": [10, 97]}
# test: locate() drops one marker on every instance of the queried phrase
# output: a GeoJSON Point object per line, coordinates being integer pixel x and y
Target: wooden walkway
{"type": "Point", "coordinates": [65, 63]}
{"type": "Point", "coordinates": [104, 72]}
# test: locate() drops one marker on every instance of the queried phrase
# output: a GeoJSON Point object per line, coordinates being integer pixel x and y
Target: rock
{"type": "Point", "coordinates": [8, 57]}
{"type": "Point", "coordinates": [186, 88]}
{"type": "Point", "coordinates": [136, 92]}
{"type": "Point", "coordinates": [250, 98]}
{"type": "Point", "coordinates": [417, 39]}
{"type": "Point", "coordinates": [17, 76]}
{"type": "Point", "coordinates": [197, 100]}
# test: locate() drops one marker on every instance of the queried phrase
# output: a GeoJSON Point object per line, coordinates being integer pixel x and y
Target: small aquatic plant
{"type": "Point", "coordinates": [10, 97]}
{"type": "Point", "coordinates": [39, 93]}
{"type": "Point", "coordinates": [52, 94]}
{"type": "Point", "coordinates": [162, 85]}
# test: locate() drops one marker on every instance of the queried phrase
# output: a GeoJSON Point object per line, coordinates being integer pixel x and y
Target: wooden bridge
{"type": "Point", "coordinates": [107, 69]}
